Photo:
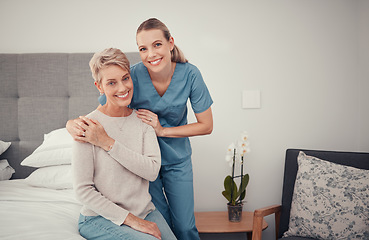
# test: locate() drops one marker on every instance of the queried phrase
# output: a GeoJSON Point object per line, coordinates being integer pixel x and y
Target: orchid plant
{"type": "Point", "coordinates": [235, 155]}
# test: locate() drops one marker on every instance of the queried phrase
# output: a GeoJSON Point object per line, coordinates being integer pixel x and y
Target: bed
{"type": "Point", "coordinates": [39, 92]}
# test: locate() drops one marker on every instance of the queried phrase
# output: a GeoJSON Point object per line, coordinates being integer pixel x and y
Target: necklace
{"type": "Point", "coordinates": [120, 122]}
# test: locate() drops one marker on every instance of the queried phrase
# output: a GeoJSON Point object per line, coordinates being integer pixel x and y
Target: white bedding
{"type": "Point", "coordinates": [37, 213]}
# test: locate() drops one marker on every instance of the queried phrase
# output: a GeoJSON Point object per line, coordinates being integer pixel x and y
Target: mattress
{"type": "Point", "coordinates": [28, 212]}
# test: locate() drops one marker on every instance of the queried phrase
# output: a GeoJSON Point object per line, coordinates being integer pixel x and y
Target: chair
{"type": "Point", "coordinates": [282, 212]}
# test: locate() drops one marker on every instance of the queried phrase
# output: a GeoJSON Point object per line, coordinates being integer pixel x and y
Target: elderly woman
{"type": "Point", "coordinates": [112, 179]}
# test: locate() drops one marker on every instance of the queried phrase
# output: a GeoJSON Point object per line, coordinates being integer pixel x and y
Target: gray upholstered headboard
{"type": "Point", "coordinates": [39, 93]}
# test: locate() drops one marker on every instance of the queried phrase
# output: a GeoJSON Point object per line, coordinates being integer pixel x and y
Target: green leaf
{"type": "Point", "coordinates": [242, 196]}
{"type": "Point", "coordinates": [227, 195]}
{"type": "Point", "coordinates": [227, 188]}
{"type": "Point", "coordinates": [227, 183]}
{"type": "Point", "coordinates": [230, 192]}
{"type": "Point", "coordinates": [242, 190]}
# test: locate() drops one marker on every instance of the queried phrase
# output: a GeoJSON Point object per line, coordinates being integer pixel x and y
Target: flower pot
{"type": "Point", "coordinates": [235, 213]}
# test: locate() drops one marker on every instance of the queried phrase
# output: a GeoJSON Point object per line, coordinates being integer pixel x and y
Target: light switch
{"type": "Point", "coordinates": [251, 99]}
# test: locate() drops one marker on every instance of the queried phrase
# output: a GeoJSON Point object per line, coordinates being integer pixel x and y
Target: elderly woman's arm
{"type": "Point", "coordinates": [86, 193]}
{"type": "Point", "coordinates": [145, 165]}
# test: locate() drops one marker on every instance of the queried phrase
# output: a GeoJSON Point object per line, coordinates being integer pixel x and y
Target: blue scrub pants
{"type": "Point", "coordinates": [172, 194]}
{"type": "Point", "coordinates": [99, 228]}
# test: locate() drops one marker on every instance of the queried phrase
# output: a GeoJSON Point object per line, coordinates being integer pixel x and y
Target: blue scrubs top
{"type": "Point", "coordinates": [171, 108]}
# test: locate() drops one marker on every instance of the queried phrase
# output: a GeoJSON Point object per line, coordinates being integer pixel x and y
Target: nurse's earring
{"type": "Point", "coordinates": [102, 99]}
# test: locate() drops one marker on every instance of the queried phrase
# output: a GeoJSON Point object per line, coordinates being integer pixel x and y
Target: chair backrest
{"type": "Point", "coordinates": [353, 159]}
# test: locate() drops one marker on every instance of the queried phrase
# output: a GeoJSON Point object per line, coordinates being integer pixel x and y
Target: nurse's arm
{"type": "Point", "coordinates": [203, 126]}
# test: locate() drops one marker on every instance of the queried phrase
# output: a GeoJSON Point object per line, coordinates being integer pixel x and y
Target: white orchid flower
{"type": "Point", "coordinates": [229, 159]}
{"type": "Point", "coordinates": [243, 144]}
{"type": "Point", "coordinates": [244, 150]}
{"type": "Point", "coordinates": [244, 137]}
{"type": "Point", "coordinates": [230, 149]}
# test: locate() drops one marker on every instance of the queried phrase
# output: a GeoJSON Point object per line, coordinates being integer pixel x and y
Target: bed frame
{"type": "Point", "coordinates": [39, 92]}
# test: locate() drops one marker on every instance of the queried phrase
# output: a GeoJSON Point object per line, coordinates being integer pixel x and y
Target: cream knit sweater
{"type": "Point", "coordinates": [114, 183]}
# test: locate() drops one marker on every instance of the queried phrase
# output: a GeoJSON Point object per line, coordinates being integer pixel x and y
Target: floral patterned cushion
{"type": "Point", "coordinates": [330, 201]}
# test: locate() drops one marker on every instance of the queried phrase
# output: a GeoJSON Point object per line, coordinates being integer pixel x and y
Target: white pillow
{"type": "Point", "coordinates": [4, 146]}
{"type": "Point", "coordinates": [6, 171]}
{"type": "Point", "coordinates": [330, 201]}
{"type": "Point", "coordinates": [55, 177]}
{"type": "Point", "coordinates": [56, 149]}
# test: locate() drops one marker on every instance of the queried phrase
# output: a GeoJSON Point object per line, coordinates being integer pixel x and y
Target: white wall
{"type": "Point", "coordinates": [309, 59]}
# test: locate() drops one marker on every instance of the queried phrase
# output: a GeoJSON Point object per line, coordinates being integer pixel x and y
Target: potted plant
{"type": "Point", "coordinates": [235, 195]}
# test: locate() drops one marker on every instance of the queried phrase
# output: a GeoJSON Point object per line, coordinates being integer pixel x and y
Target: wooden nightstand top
{"type": "Point", "coordinates": [217, 222]}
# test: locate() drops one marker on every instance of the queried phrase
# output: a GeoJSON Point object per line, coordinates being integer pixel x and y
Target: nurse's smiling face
{"type": "Point", "coordinates": [155, 50]}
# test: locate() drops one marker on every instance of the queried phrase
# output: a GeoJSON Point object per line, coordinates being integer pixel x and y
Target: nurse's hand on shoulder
{"type": "Point", "coordinates": [76, 129]}
{"type": "Point", "coordinates": [151, 119]}
{"type": "Point", "coordinates": [142, 225]}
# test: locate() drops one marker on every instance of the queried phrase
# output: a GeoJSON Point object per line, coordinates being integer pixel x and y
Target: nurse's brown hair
{"type": "Point", "coordinates": [153, 23]}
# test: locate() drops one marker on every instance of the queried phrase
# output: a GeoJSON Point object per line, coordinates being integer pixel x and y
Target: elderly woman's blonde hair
{"type": "Point", "coordinates": [107, 57]}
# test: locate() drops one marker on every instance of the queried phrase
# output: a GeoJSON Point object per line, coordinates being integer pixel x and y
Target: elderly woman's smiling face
{"type": "Point", "coordinates": [117, 85]}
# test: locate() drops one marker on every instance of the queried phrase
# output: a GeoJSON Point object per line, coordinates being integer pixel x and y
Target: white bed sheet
{"type": "Point", "coordinates": [29, 213]}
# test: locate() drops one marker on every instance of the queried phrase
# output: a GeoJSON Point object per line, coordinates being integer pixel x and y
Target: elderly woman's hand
{"type": "Point", "coordinates": [76, 130]}
{"type": "Point", "coordinates": [93, 132]}
{"type": "Point", "coordinates": [142, 225]}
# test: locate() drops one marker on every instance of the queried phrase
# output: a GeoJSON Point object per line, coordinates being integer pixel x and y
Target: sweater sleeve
{"type": "Point", "coordinates": [145, 165]}
{"type": "Point", "coordinates": [86, 193]}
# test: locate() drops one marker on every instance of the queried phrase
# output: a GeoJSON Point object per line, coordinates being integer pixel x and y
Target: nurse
{"type": "Point", "coordinates": [163, 83]}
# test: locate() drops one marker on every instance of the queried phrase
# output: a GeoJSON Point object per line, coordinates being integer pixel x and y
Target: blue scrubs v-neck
{"type": "Point", "coordinates": [171, 108]}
